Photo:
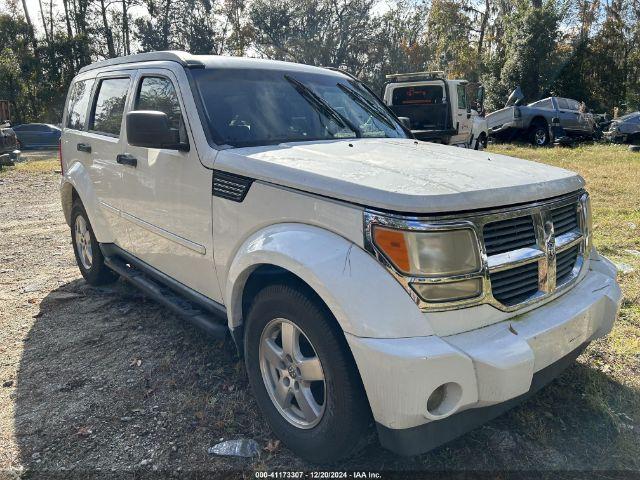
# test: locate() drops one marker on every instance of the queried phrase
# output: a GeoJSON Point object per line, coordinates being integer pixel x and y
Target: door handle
{"type": "Point", "coordinates": [84, 147]}
{"type": "Point", "coordinates": [127, 159]}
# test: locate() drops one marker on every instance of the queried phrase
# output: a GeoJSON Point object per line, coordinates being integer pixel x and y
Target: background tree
{"type": "Point", "coordinates": [583, 49]}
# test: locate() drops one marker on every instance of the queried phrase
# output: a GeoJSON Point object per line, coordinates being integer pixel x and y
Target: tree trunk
{"type": "Point", "coordinates": [483, 28]}
{"type": "Point", "coordinates": [107, 31]}
{"type": "Point", "coordinates": [44, 23]}
{"type": "Point", "coordinates": [34, 42]}
{"type": "Point", "coordinates": [126, 44]}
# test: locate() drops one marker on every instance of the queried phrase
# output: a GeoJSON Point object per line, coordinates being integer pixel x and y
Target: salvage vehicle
{"type": "Point", "coordinates": [625, 129]}
{"type": "Point", "coordinates": [37, 135]}
{"type": "Point", "coordinates": [437, 109]}
{"type": "Point", "coordinates": [9, 150]}
{"type": "Point", "coordinates": [365, 277]}
{"type": "Point", "coordinates": [532, 121]}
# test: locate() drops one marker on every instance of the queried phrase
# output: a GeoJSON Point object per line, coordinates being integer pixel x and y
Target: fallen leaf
{"type": "Point", "coordinates": [512, 330]}
{"type": "Point", "coordinates": [272, 446]}
{"type": "Point", "coordinates": [84, 432]}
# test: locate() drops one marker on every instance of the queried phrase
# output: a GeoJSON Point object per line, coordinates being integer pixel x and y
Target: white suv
{"type": "Point", "coordinates": [365, 276]}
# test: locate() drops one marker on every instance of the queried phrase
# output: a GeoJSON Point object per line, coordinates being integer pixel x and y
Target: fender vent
{"type": "Point", "coordinates": [230, 186]}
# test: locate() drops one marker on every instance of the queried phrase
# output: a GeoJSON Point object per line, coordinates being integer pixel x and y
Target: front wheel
{"type": "Point", "coordinates": [481, 142]}
{"type": "Point", "coordinates": [303, 375]}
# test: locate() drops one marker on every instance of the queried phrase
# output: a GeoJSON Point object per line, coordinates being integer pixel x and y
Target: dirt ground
{"type": "Point", "coordinates": [103, 380]}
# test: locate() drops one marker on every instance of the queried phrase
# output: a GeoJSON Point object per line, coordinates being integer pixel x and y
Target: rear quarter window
{"type": "Point", "coordinates": [109, 106]}
{"type": "Point", "coordinates": [78, 103]}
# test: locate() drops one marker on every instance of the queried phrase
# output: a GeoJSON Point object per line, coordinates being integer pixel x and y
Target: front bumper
{"type": "Point", "coordinates": [485, 371]}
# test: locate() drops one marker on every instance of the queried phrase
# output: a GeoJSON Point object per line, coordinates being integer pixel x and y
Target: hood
{"type": "Point", "coordinates": [401, 174]}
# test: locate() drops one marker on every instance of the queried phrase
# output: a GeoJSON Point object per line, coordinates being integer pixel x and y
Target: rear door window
{"type": "Point", "coordinates": [78, 103]}
{"type": "Point", "coordinates": [562, 103]}
{"type": "Point", "coordinates": [418, 95]}
{"type": "Point", "coordinates": [159, 94]}
{"type": "Point", "coordinates": [109, 106]}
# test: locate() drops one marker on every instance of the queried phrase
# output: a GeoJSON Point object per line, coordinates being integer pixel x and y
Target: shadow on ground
{"type": "Point", "coordinates": [111, 381]}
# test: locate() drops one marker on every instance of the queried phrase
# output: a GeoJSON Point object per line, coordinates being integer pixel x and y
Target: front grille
{"type": "Point", "coordinates": [515, 285]}
{"type": "Point", "coordinates": [564, 219]}
{"type": "Point", "coordinates": [565, 261]}
{"type": "Point", "coordinates": [511, 234]}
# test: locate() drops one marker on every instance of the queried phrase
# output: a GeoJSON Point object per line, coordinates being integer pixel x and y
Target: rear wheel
{"type": "Point", "coordinates": [539, 134]}
{"type": "Point", "coordinates": [87, 250]}
{"type": "Point", "coordinates": [303, 375]}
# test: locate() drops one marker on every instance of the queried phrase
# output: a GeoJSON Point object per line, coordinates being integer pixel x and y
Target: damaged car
{"type": "Point", "coordinates": [625, 129]}
{"type": "Point", "coordinates": [531, 122]}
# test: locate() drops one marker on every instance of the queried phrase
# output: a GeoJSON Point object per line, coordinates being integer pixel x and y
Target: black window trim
{"type": "Point", "coordinates": [134, 103]}
{"type": "Point", "coordinates": [94, 100]}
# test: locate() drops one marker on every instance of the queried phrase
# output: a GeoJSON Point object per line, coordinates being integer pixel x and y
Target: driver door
{"type": "Point", "coordinates": [167, 204]}
{"type": "Point", "coordinates": [462, 116]}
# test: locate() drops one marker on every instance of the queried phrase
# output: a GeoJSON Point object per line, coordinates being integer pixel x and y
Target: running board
{"type": "Point", "coordinates": [202, 319]}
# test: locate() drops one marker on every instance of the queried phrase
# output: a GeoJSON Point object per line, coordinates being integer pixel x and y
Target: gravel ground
{"type": "Point", "coordinates": [103, 380]}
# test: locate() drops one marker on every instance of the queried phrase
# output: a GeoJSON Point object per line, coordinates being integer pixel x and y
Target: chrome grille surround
{"type": "Point", "coordinates": [543, 252]}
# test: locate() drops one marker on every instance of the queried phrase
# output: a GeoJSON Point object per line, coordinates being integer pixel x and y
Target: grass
{"type": "Point", "coordinates": [591, 414]}
{"type": "Point", "coordinates": [612, 174]}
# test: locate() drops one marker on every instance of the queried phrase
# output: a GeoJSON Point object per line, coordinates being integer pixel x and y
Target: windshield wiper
{"type": "Point", "coordinates": [322, 106]}
{"type": "Point", "coordinates": [367, 105]}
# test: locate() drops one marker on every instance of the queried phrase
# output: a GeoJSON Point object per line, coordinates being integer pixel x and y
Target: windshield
{"type": "Point", "coordinates": [266, 107]}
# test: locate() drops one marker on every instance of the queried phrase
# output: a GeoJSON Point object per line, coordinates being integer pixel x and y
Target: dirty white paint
{"type": "Point", "coordinates": [402, 174]}
{"type": "Point", "coordinates": [491, 364]}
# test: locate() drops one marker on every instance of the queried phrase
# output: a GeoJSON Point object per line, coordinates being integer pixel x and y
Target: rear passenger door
{"type": "Point", "coordinates": [568, 117]}
{"type": "Point", "coordinates": [167, 200]}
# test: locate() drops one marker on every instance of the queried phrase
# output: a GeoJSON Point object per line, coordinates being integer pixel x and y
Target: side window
{"type": "Point", "coordinates": [78, 103]}
{"type": "Point", "coordinates": [573, 105]}
{"type": "Point", "coordinates": [159, 94]}
{"type": "Point", "coordinates": [562, 103]}
{"type": "Point", "coordinates": [109, 106]}
{"type": "Point", "coordinates": [462, 97]}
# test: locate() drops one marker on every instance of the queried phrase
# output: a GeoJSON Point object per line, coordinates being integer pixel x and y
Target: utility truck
{"type": "Point", "coordinates": [438, 109]}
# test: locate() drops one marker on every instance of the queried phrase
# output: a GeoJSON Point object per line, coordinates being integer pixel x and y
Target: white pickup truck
{"type": "Point", "coordinates": [437, 109]}
{"type": "Point", "coordinates": [366, 277]}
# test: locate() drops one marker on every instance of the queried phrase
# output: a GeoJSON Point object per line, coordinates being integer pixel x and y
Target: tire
{"type": "Point", "coordinates": [87, 250]}
{"type": "Point", "coordinates": [634, 139]}
{"type": "Point", "coordinates": [539, 134]}
{"type": "Point", "coordinates": [338, 423]}
{"type": "Point", "coordinates": [481, 143]}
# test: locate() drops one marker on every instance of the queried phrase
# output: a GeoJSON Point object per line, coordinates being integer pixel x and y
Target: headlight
{"type": "Point", "coordinates": [435, 256]}
{"type": "Point", "coordinates": [437, 253]}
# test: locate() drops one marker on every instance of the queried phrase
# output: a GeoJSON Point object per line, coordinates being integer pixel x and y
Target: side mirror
{"type": "Point", "coordinates": [406, 121]}
{"type": "Point", "coordinates": [149, 128]}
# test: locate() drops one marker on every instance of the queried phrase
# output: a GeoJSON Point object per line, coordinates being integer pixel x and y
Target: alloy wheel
{"type": "Point", "coordinates": [292, 373]}
{"type": "Point", "coordinates": [83, 242]}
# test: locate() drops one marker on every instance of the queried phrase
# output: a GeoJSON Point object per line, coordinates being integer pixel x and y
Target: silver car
{"type": "Point", "coordinates": [625, 129]}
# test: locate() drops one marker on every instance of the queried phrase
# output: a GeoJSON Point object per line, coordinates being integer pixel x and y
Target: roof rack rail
{"type": "Point", "coordinates": [404, 77]}
{"type": "Point", "coordinates": [183, 58]}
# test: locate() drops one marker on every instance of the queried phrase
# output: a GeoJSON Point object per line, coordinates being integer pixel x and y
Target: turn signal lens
{"type": "Point", "coordinates": [394, 246]}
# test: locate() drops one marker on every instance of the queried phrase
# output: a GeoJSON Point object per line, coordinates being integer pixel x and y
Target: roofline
{"type": "Point", "coordinates": [183, 58]}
